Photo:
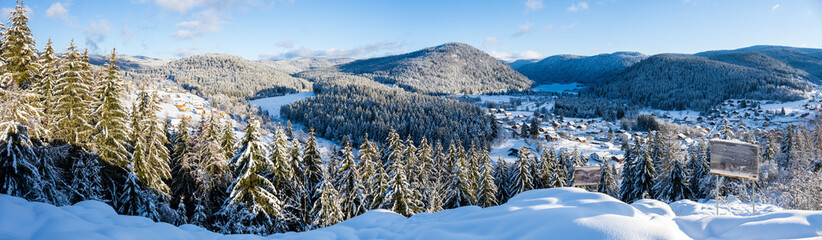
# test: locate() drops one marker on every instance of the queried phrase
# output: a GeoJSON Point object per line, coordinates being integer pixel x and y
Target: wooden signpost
{"type": "Point", "coordinates": [586, 176]}
{"type": "Point", "coordinates": [734, 159]}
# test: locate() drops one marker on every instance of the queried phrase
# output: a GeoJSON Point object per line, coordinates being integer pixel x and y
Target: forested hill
{"type": "Point", "coordinates": [676, 82]}
{"type": "Point", "coordinates": [808, 60]}
{"type": "Point", "coordinates": [228, 75]}
{"type": "Point", "coordinates": [581, 69]}
{"type": "Point", "coordinates": [453, 68]}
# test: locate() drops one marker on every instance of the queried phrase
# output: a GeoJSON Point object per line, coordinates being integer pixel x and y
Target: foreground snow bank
{"type": "Point", "coordinates": [539, 214]}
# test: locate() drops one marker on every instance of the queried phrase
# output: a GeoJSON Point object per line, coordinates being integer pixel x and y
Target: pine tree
{"type": "Point", "coordinates": [368, 171]}
{"type": "Point", "coordinates": [501, 180]}
{"type": "Point", "coordinates": [393, 149]}
{"type": "Point", "coordinates": [326, 210]}
{"type": "Point", "coordinates": [184, 169]}
{"type": "Point", "coordinates": [85, 177]}
{"type": "Point", "coordinates": [74, 102]}
{"type": "Point", "coordinates": [131, 200]}
{"type": "Point", "coordinates": [461, 188]}
{"type": "Point", "coordinates": [18, 162]}
{"type": "Point", "coordinates": [787, 147]}
{"type": "Point", "coordinates": [626, 186]}
{"type": "Point", "coordinates": [282, 173]}
{"type": "Point", "coordinates": [51, 176]}
{"type": "Point", "coordinates": [673, 188]}
{"type": "Point", "coordinates": [607, 180]}
{"type": "Point", "coordinates": [18, 50]}
{"type": "Point", "coordinates": [400, 197]}
{"type": "Point", "coordinates": [570, 167]}
{"type": "Point", "coordinates": [152, 165]}
{"type": "Point", "coordinates": [522, 178]}
{"type": "Point", "coordinates": [352, 192]}
{"type": "Point", "coordinates": [644, 176]}
{"type": "Point", "coordinates": [379, 186]}
{"type": "Point", "coordinates": [546, 173]}
{"type": "Point", "coordinates": [258, 194]}
{"type": "Point", "coordinates": [699, 169]}
{"type": "Point", "coordinates": [46, 86]}
{"type": "Point", "coordinates": [487, 192]}
{"type": "Point", "coordinates": [425, 166]}
{"type": "Point", "coordinates": [409, 156]}
{"type": "Point", "coordinates": [213, 176]}
{"type": "Point", "coordinates": [227, 140]}
{"type": "Point", "coordinates": [111, 137]}
{"type": "Point", "coordinates": [313, 171]}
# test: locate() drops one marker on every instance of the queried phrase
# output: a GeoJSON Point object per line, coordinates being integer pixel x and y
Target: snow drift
{"type": "Point", "coordinates": [539, 214]}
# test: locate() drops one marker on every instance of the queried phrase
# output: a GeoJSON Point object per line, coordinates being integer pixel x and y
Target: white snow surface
{"type": "Point", "coordinates": [273, 104]}
{"type": "Point", "coordinates": [560, 213]}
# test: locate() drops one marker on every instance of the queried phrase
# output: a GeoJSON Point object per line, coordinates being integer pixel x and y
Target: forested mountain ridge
{"type": "Point", "coordinates": [677, 82]}
{"type": "Point", "coordinates": [453, 68]}
{"type": "Point", "coordinates": [805, 59]}
{"type": "Point", "coordinates": [292, 66]}
{"type": "Point", "coordinates": [581, 69]}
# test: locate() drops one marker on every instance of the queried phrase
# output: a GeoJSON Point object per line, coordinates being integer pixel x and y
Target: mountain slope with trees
{"type": "Point", "coordinates": [580, 69]}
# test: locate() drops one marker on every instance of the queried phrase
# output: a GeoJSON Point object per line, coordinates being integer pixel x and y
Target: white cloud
{"type": "Point", "coordinates": [533, 5]}
{"type": "Point", "coordinates": [527, 54]}
{"type": "Point", "coordinates": [180, 6]}
{"type": "Point", "coordinates": [58, 10]}
{"type": "Point", "coordinates": [580, 6]}
{"type": "Point", "coordinates": [490, 41]}
{"type": "Point", "coordinates": [206, 22]}
{"type": "Point", "coordinates": [334, 52]}
{"type": "Point", "coordinates": [524, 29]}
{"type": "Point", "coordinates": [285, 44]}
{"type": "Point", "coordinates": [96, 33]}
{"type": "Point", "coordinates": [774, 7]}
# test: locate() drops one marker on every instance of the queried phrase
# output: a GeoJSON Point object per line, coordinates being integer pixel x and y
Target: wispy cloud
{"type": "Point", "coordinates": [524, 29]}
{"type": "Point", "coordinates": [775, 7]}
{"type": "Point", "coordinates": [576, 7]}
{"type": "Point", "coordinates": [490, 41]}
{"type": "Point", "coordinates": [205, 22]}
{"type": "Point", "coordinates": [334, 52]}
{"type": "Point", "coordinates": [58, 10]}
{"type": "Point", "coordinates": [96, 33]}
{"type": "Point", "coordinates": [527, 54]}
{"type": "Point", "coordinates": [533, 5]}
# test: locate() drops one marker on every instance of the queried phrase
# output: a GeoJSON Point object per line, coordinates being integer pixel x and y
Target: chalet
{"type": "Point", "coordinates": [581, 139]}
{"type": "Point", "coordinates": [508, 114]}
{"type": "Point", "coordinates": [551, 137]}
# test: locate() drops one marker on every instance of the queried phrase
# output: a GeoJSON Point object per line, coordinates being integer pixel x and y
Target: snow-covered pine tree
{"type": "Point", "coordinates": [46, 86]}
{"type": "Point", "coordinates": [501, 180]}
{"type": "Point", "coordinates": [313, 170]}
{"type": "Point", "coordinates": [487, 192]}
{"type": "Point", "coordinates": [607, 180]}
{"type": "Point", "coordinates": [626, 186]}
{"type": "Point", "coordinates": [184, 169]}
{"type": "Point", "coordinates": [299, 210]}
{"type": "Point", "coordinates": [698, 168]}
{"type": "Point", "coordinates": [644, 175]}
{"type": "Point", "coordinates": [727, 131]}
{"type": "Point", "coordinates": [554, 170]}
{"type": "Point", "coordinates": [673, 188]}
{"type": "Point", "coordinates": [379, 188]}
{"type": "Point", "coordinates": [400, 196]}
{"type": "Point", "coordinates": [51, 176]}
{"type": "Point", "coordinates": [326, 210]}
{"type": "Point", "coordinates": [18, 162]}
{"type": "Point", "coordinates": [282, 173]}
{"type": "Point", "coordinates": [227, 140]}
{"type": "Point", "coordinates": [368, 170]}
{"type": "Point", "coordinates": [352, 191]}
{"type": "Point", "coordinates": [545, 170]}
{"type": "Point", "coordinates": [461, 191]}
{"type": "Point", "coordinates": [131, 200]}
{"type": "Point", "coordinates": [111, 135]}
{"type": "Point", "coordinates": [425, 166]}
{"type": "Point", "coordinates": [521, 179]}
{"type": "Point", "coordinates": [258, 194]}
{"type": "Point", "coordinates": [74, 102]}
{"type": "Point", "coordinates": [393, 149]}
{"type": "Point", "coordinates": [473, 166]}
{"type": "Point", "coordinates": [85, 176]}
{"type": "Point", "coordinates": [787, 146]}
{"type": "Point", "coordinates": [152, 167]}
{"type": "Point", "coordinates": [409, 156]}
{"type": "Point", "coordinates": [18, 50]}
{"type": "Point", "coordinates": [561, 166]}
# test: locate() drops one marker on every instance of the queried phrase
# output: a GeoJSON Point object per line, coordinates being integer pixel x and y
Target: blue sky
{"type": "Point", "coordinates": [507, 29]}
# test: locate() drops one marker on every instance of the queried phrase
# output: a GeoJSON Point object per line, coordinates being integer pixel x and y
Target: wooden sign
{"type": "Point", "coordinates": [735, 159]}
{"type": "Point", "coordinates": [586, 176]}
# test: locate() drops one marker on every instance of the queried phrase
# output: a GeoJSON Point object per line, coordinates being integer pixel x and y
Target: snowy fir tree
{"type": "Point", "coordinates": [152, 164]}
{"type": "Point", "coordinates": [400, 197]}
{"type": "Point", "coordinates": [607, 180]}
{"type": "Point", "coordinates": [698, 168]}
{"type": "Point", "coordinates": [352, 191]}
{"type": "Point", "coordinates": [131, 200]}
{"type": "Point", "coordinates": [461, 191]}
{"type": "Point", "coordinates": [250, 187]}
{"type": "Point", "coordinates": [227, 140]}
{"type": "Point", "coordinates": [501, 180]}
{"type": "Point", "coordinates": [626, 186]}
{"type": "Point", "coordinates": [487, 192]}
{"type": "Point", "coordinates": [409, 158]}
{"type": "Point", "coordinates": [85, 177]}
{"type": "Point", "coordinates": [644, 176]}
{"type": "Point", "coordinates": [46, 86]}
{"type": "Point", "coordinates": [74, 102]}
{"type": "Point", "coordinates": [326, 210]}
{"type": "Point", "coordinates": [18, 162]}
{"type": "Point", "coordinates": [367, 166]}
{"type": "Point", "coordinates": [282, 173]}
{"type": "Point", "coordinates": [521, 179]}
{"type": "Point", "coordinates": [18, 51]}
{"type": "Point", "coordinates": [570, 167]}
{"type": "Point", "coordinates": [393, 149]}
{"type": "Point", "coordinates": [313, 173]}
{"type": "Point", "coordinates": [379, 187]}
{"type": "Point", "coordinates": [673, 188]}
{"type": "Point", "coordinates": [111, 129]}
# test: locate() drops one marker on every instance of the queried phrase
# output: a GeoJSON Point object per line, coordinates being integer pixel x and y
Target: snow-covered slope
{"type": "Point", "coordinates": [564, 213]}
